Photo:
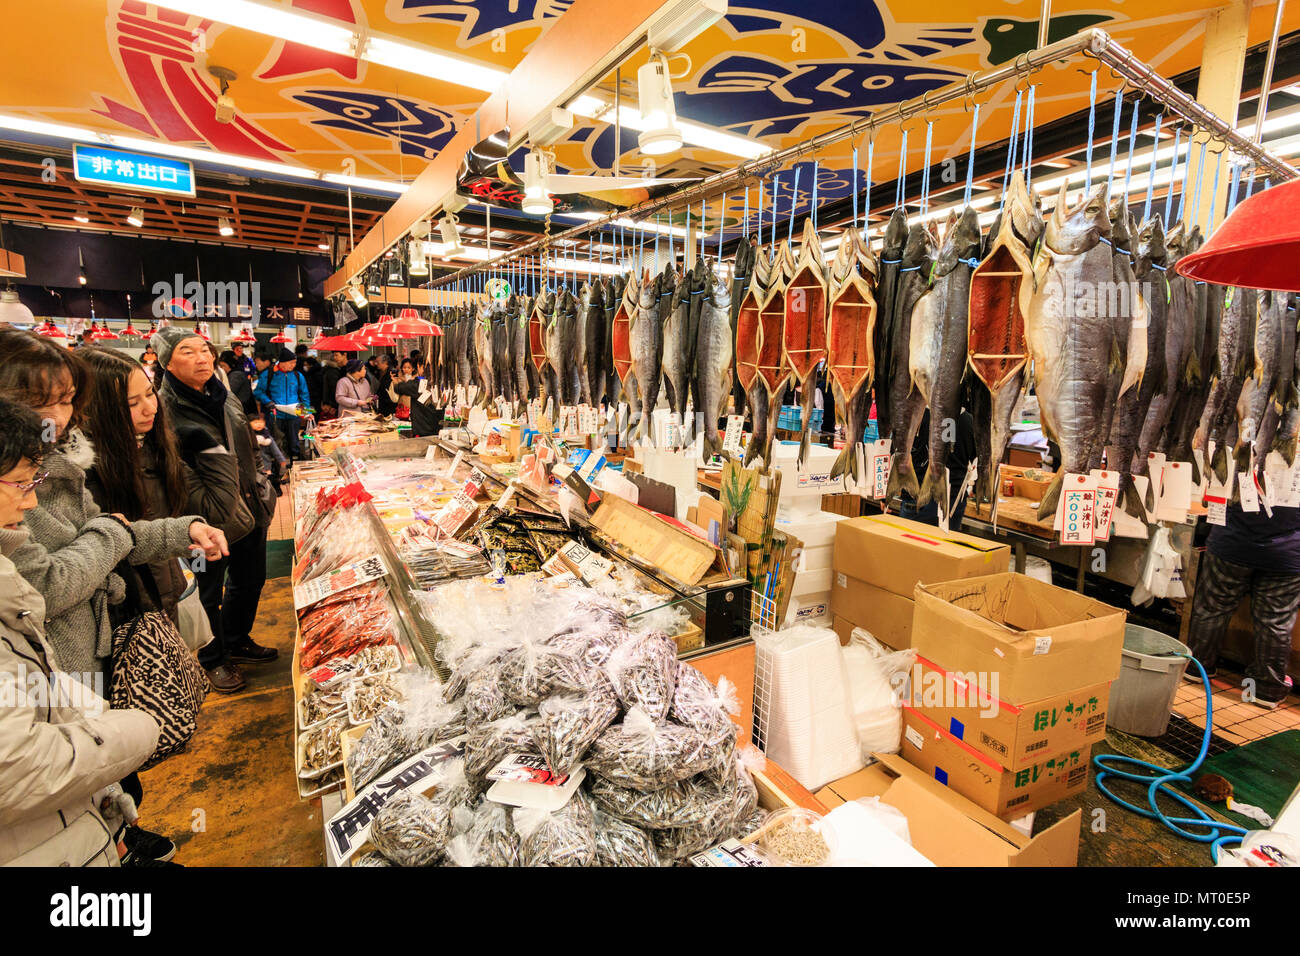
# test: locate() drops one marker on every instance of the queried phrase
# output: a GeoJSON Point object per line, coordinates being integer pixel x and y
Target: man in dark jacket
{"type": "Point", "coordinates": [210, 421]}
{"type": "Point", "coordinates": [239, 386]}
{"type": "Point", "coordinates": [315, 376]}
{"type": "Point", "coordinates": [1260, 556]}
{"type": "Point", "coordinates": [330, 376]}
{"type": "Point", "coordinates": [426, 416]}
{"type": "Point", "coordinates": [242, 361]}
{"type": "Point", "coordinates": [386, 405]}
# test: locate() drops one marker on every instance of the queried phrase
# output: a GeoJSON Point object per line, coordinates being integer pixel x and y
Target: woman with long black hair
{"type": "Point", "coordinates": [138, 471]}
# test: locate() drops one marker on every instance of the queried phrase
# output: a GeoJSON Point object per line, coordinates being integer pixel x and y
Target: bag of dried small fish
{"type": "Point", "coordinates": [682, 804]}
{"type": "Point", "coordinates": [454, 789]}
{"type": "Point", "coordinates": [564, 838]}
{"type": "Point", "coordinates": [411, 830]}
{"type": "Point", "coordinates": [569, 724]}
{"type": "Point", "coordinates": [644, 672]}
{"type": "Point", "coordinates": [321, 747]}
{"type": "Point", "coordinates": [534, 669]}
{"type": "Point", "coordinates": [400, 730]}
{"type": "Point", "coordinates": [490, 840]}
{"type": "Point", "coordinates": [488, 744]}
{"type": "Point", "coordinates": [485, 700]}
{"type": "Point", "coordinates": [646, 755]}
{"type": "Point", "coordinates": [701, 706]}
{"type": "Point", "coordinates": [621, 844]}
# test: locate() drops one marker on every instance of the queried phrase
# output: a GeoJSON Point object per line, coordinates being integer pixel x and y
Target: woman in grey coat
{"type": "Point", "coordinates": [73, 546]}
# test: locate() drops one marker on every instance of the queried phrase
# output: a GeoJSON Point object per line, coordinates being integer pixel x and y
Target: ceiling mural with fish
{"type": "Point", "coordinates": [774, 71]}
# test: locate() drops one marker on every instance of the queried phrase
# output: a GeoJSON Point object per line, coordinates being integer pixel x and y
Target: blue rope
{"type": "Point", "coordinates": [1182, 190]}
{"type": "Point", "coordinates": [794, 201]}
{"type": "Point", "coordinates": [744, 229]}
{"type": "Point", "coordinates": [1092, 132]}
{"type": "Point", "coordinates": [854, 187]}
{"type": "Point", "coordinates": [899, 184]}
{"type": "Point", "coordinates": [1173, 175]}
{"type": "Point", "coordinates": [722, 225]}
{"type": "Point", "coordinates": [1132, 142]}
{"type": "Point", "coordinates": [1250, 184]}
{"type": "Point", "coordinates": [1013, 144]}
{"type": "Point", "coordinates": [970, 156]}
{"type": "Point", "coordinates": [866, 198]}
{"type": "Point", "coordinates": [925, 174]}
{"type": "Point", "coordinates": [1029, 137]}
{"type": "Point", "coordinates": [760, 214]}
{"type": "Point", "coordinates": [776, 180]}
{"type": "Point", "coordinates": [1114, 138]}
{"type": "Point", "coordinates": [1151, 172]}
{"type": "Point", "coordinates": [813, 211]}
{"type": "Point", "coordinates": [1232, 190]}
{"type": "Point", "coordinates": [1200, 175]}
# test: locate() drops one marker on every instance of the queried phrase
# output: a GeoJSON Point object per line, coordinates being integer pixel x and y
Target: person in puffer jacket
{"type": "Point", "coordinates": [60, 757]}
{"type": "Point", "coordinates": [283, 387]}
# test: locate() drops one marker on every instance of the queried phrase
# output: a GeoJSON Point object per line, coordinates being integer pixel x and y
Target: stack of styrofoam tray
{"type": "Point", "coordinates": [816, 529]}
{"type": "Point", "coordinates": [810, 598]}
{"type": "Point", "coordinates": [806, 712]}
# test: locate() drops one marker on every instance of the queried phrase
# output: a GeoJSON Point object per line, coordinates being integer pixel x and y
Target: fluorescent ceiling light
{"type": "Point", "coordinates": [224, 227]}
{"type": "Point", "coordinates": [63, 131]}
{"type": "Point", "coordinates": [694, 134]}
{"type": "Point", "coordinates": [430, 63]}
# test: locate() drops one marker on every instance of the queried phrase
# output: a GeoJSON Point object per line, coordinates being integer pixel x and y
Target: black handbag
{"type": "Point", "coordinates": [154, 670]}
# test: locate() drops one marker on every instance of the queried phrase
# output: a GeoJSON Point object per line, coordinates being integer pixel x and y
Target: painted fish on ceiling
{"type": "Point", "coordinates": [1008, 38]}
{"type": "Point", "coordinates": [421, 129]}
{"type": "Point", "coordinates": [479, 19]}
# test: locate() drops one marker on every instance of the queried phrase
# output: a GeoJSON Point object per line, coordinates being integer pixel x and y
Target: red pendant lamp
{"type": "Point", "coordinates": [409, 324]}
{"type": "Point", "coordinates": [105, 333]}
{"type": "Point", "coordinates": [1255, 247]}
{"type": "Point", "coordinates": [281, 339]}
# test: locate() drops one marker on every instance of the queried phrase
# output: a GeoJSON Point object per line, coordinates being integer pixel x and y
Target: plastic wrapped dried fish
{"type": "Point", "coordinates": [401, 730]}
{"type": "Point", "coordinates": [701, 706]}
{"type": "Point", "coordinates": [566, 837]}
{"type": "Point", "coordinates": [366, 696]}
{"type": "Point", "coordinates": [534, 670]}
{"type": "Point", "coordinates": [490, 840]}
{"type": "Point", "coordinates": [621, 844]}
{"type": "Point", "coordinates": [645, 755]}
{"type": "Point", "coordinates": [319, 703]}
{"type": "Point", "coordinates": [488, 744]}
{"type": "Point", "coordinates": [682, 804]}
{"type": "Point", "coordinates": [681, 842]}
{"type": "Point", "coordinates": [370, 859]}
{"type": "Point", "coordinates": [322, 747]}
{"type": "Point", "coordinates": [411, 830]}
{"type": "Point", "coordinates": [454, 789]}
{"type": "Point", "coordinates": [644, 672]}
{"type": "Point", "coordinates": [484, 698]}
{"type": "Point", "coordinates": [570, 723]}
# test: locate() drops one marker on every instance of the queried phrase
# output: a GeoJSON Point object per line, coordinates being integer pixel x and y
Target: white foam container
{"type": "Point", "coordinates": [815, 559]}
{"type": "Point", "coordinates": [811, 608]}
{"type": "Point", "coordinates": [811, 582]}
{"type": "Point", "coordinates": [813, 480]}
{"type": "Point", "coordinates": [816, 529]}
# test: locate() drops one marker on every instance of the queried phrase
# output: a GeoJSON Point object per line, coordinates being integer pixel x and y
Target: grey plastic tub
{"type": "Point", "coordinates": [1143, 697]}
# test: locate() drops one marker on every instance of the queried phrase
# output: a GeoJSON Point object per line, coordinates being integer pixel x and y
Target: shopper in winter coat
{"type": "Point", "coordinates": [1259, 555]}
{"type": "Point", "coordinates": [210, 424]}
{"type": "Point", "coordinates": [237, 381]}
{"type": "Point", "coordinates": [138, 470]}
{"type": "Point", "coordinates": [73, 546]}
{"type": "Point", "coordinates": [59, 753]}
{"type": "Point", "coordinates": [331, 373]}
{"type": "Point", "coordinates": [353, 390]}
{"type": "Point", "coordinates": [284, 387]}
{"type": "Point", "coordinates": [242, 361]}
{"type": "Point", "coordinates": [385, 404]}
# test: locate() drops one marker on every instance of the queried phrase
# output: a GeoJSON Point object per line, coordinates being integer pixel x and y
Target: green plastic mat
{"type": "Point", "coordinates": [279, 558]}
{"type": "Point", "coordinates": [1263, 773]}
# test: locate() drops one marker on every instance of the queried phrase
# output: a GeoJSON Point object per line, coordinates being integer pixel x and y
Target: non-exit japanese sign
{"type": "Point", "coordinates": [140, 171]}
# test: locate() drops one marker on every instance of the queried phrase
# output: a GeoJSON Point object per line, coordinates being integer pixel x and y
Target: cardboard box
{"type": "Point", "coordinates": [1029, 487]}
{"type": "Point", "coordinates": [658, 541]}
{"type": "Point", "coordinates": [986, 783]}
{"type": "Point", "coordinates": [1042, 640]}
{"type": "Point", "coordinates": [888, 616]}
{"type": "Point", "coordinates": [1014, 735]}
{"type": "Point", "coordinates": [947, 828]}
{"type": "Point", "coordinates": [895, 554]}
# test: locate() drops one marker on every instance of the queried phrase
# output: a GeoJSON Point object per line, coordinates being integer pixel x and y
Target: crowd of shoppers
{"type": "Point", "coordinates": [130, 486]}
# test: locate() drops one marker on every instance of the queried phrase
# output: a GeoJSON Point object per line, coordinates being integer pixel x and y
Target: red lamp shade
{"type": "Point", "coordinates": [281, 339]}
{"type": "Point", "coordinates": [130, 330]}
{"type": "Point", "coordinates": [51, 330]}
{"type": "Point", "coordinates": [105, 333]}
{"type": "Point", "coordinates": [408, 325]}
{"type": "Point", "coordinates": [1256, 247]}
{"type": "Point", "coordinates": [335, 343]}
{"type": "Point", "coordinates": [198, 330]}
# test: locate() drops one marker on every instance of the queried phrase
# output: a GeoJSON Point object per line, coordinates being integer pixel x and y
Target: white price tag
{"type": "Point", "coordinates": [506, 495]}
{"type": "Point", "coordinates": [345, 578]}
{"type": "Point", "coordinates": [1175, 491]}
{"type": "Point", "coordinates": [1078, 510]}
{"type": "Point", "coordinates": [735, 432]}
{"type": "Point", "coordinates": [455, 463]}
{"type": "Point", "coordinates": [673, 431]}
{"type": "Point", "coordinates": [1042, 645]}
{"type": "Point", "coordinates": [1107, 493]}
{"type": "Point", "coordinates": [1217, 510]}
{"type": "Point", "coordinates": [880, 460]}
{"type": "Point", "coordinates": [1249, 493]}
{"type": "Point", "coordinates": [431, 453]}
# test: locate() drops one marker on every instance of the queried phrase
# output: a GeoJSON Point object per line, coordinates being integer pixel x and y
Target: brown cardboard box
{"type": "Point", "coordinates": [947, 828]}
{"type": "Point", "coordinates": [886, 615]}
{"type": "Point", "coordinates": [1005, 793]}
{"type": "Point", "coordinates": [1015, 736]}
{"type": "Point", "coordinates": [1029, 487]}
{"type": "Point", "coordinates": [1040, 639]}
{"type": "Point", "coordinates": [894, 553]}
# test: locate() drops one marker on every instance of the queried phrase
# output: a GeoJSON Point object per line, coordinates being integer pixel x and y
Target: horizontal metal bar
{"type": "Point", "coordinates": [1095, 43]}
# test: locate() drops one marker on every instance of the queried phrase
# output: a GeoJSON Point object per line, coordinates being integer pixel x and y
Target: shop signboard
{"type": "Point", "coordinates": [105, 166]}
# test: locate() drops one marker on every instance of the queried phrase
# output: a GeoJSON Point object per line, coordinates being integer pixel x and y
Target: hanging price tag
{"type": "Point", "coordinates": [880, 463]}
{"type": "Point", "coordinates": [673, 431]}
{"type": "Point", "coordinates": [431, 453]}
{"type": "Point", "coordinates": [733, 435]}
{"type": "Point", "coordinates": [471, 395]}
{"type": "Point", "coordinates": [589, 420]}
{"type": "Point", "coordinates": [1107, 493]}
{"type": "Point", "coordinates": [1249, 493]}
{"type": "Point", "coordinates": [1078, 510]}
{"type": "Point", "coordinates": [1218, 510]}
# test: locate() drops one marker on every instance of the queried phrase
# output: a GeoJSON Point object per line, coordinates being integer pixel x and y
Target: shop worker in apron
{"type": "Point", "coordinates": [283, 386]}
{"type": "Point", "coordinates": [1260, 556]}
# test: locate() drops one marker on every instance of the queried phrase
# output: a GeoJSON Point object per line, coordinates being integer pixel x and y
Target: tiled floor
{"type": "Point", "coordinates": [282, 524]}
{"type": "Point", "coordinates": [1235, 721]}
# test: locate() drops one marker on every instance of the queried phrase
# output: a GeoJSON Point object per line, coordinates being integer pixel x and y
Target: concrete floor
{"type": "Point", "coordinates": [230, 798]}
